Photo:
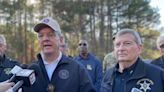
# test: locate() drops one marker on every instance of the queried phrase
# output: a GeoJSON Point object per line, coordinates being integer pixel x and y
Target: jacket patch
{"type": "Point", "coordinates": [7, 71]}
{"type": "Point", "coordinates": [64, 74]}
{"type": "Point", "coordinates": [145, 84]}
{"type": "Point", "coordinates": [89, 67]}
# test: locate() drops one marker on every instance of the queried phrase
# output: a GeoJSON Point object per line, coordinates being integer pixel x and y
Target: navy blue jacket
{"type": "Point", "coordinates": [145, 78]}
{"type": "Point", "coordinates": [94, 68]}
{"type": "Point", "coordinates": [6, 64]}
{"type": "Point", "coordinates": [69, 76]}
{"type": "Point", "coordinates": [159, 62]}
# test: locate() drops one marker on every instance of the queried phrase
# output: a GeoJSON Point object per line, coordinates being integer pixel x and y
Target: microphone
{"type": "Point", "coordinates": [34, 67]}
{"type": "Point", "coordinates": [24, 66]}
{"type": "Point", "coordinates": [17, 86]}
{"type": "Point", "coordinates": [13, 78]}
{"type": "Point", "coordinates": [25, 77]}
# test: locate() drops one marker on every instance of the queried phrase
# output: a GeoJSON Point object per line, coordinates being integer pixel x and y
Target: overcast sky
{"type": "Point", "coordinates": [160, 5]}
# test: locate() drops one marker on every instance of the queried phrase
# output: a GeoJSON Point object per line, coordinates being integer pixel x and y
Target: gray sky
{"type": "Point", "coordinates": [160, 5]}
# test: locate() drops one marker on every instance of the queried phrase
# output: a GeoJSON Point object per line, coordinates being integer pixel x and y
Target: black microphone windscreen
{"type": "Point", "coordinates": [34, 67]}
{"type": "Point", "coordinates": [12, 79]}
{"type": "Point", "coordinates": [24, 66]}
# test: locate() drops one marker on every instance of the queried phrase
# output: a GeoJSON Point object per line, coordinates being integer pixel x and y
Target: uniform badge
{"type": "Point", "coordinates": [51, 88]}
{"type": "Point", "coordinates": [145, 84]}
{"type": "Point", "coordinates": [89, 67]}
{"type": "Point", "coordinates": [7, 71]}
{"type": "Point", "coordinates": [63, 74]}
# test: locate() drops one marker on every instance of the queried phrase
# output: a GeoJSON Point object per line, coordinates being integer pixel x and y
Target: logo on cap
{"type": "Point", "coordinates": [46, 20]}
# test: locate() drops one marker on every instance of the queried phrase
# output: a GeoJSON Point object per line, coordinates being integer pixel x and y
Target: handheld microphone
{"type": "Point", "coordinates": [25, 77]}
{"type": "Point", "coordinates": [12, 78]}
{"type": "Point", "coordinates": [17, 86]}
{"type": "Point", "coordinates": [35, 67]}
{"type": "Point", "coordinates": [15, 70]}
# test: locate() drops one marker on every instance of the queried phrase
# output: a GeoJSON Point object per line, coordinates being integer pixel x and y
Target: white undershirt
{"type": "Point", "coordinates": [50, 67]}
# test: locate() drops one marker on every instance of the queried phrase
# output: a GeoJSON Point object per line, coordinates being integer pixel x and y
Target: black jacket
{"type": "Point", "coordinates": [145, 77]}
{"type": "Point", "coordinates": [69, 76]}
{"type": "Point", "coordinates": [159, 62]}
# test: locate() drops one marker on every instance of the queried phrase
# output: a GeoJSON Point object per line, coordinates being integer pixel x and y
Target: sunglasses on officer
{"type": "Point", "coordinates": [161, 46]}
{"type": "Point", "coordinates": [82, 44]}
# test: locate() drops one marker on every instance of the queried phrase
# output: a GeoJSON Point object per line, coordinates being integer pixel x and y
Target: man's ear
{"type": "Point", "coordinates": [140, 48]}
{"type": "Point", "coordinates": [62, 39]}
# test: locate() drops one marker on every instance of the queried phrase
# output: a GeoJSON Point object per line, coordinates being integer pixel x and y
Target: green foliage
{"type": "Point", "coordinates": [96, 20]}
{"type": "Point", "coordinates": [140, 14]}
{"type": "Point", "coordinates": [149, 43]}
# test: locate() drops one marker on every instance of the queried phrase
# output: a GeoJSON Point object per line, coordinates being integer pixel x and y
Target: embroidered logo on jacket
{"type": "Point", "coordinates": [7, 71]}
{"type": "Point", "coordinates": [89, 67]}
{"type": "Point", "coordinates": [145, 84]}
{"type": "Point", "coordinates": [64, 74]}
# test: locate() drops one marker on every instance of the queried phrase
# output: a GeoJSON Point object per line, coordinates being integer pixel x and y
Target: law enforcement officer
{"type": "Point", "coordinates": [63, 46]}
{"type": "Point", "coordinates": [90, 62]}
{"type": "Point", "coordinates": [109, 59]}
{"type": "Point", "coordinates": [160, 45]}
{"type": "Point", "coordinates": [56, 72]}
{"type": "Point", "coordinates": [131, 74]}
{"type": "Point", "coordinates": [6, 63]}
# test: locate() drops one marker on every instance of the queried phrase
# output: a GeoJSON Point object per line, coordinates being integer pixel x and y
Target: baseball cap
{"type": "Point", "coordinates": [48, 21]}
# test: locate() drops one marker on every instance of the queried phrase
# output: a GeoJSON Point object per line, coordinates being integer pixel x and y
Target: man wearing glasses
{"type": "Point", "coordinates": [90, 62]}
{"type": "Point", "coordinates": [131, 74]}
{"type": "Point", "coordinates": [160, 45]}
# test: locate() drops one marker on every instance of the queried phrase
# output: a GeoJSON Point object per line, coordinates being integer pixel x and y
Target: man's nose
{"type": "Point", "coordinates": [45, 37]}
{"type": "Point", "coordinates": [121, 47]}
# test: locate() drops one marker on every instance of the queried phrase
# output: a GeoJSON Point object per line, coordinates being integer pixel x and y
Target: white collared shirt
{"type": "Point", "coordinates": [50, 67]}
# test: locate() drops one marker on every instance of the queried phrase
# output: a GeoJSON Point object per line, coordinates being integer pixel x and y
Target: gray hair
{"type": "Point", "coordinates": [2, 39]}
{"type": "Point", "coordinates": [130, 31]}
{"type": "Point", "coordinates": [160, 38]}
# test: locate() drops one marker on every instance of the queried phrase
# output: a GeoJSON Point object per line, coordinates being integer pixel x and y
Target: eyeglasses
{"type": "Point", "coordinates": [162, 46]}
{"type": "Point", "coordinates": [84, 44]}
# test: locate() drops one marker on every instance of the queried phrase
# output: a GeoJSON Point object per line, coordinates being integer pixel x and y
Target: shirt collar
{"type": "Point", "coordinates": [87, 57]}
{"type": "Point", "coordinates": [139, 71]}
{"type": "Point", "coordinates": [129, 69]}
{"type": "Point", "coordinates": [2, 58]}
{"type": "Point", "coordinates": [54, 61]}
